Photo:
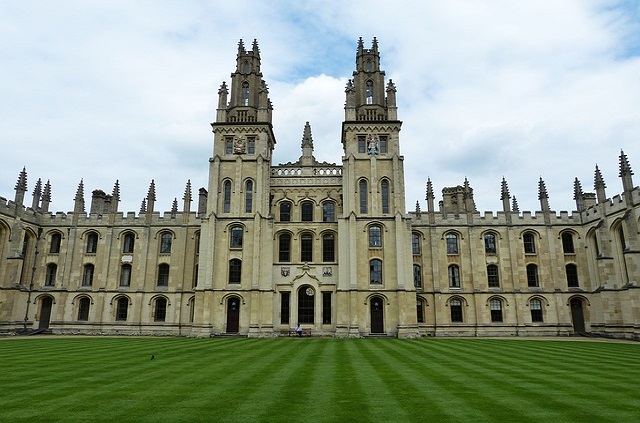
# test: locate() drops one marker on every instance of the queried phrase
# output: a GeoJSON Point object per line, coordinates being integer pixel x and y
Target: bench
{"type": "Point", "coordinates": [305, 332]}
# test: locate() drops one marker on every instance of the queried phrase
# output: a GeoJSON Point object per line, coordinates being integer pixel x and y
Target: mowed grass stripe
{"type": "Point", "coordinates": [337, 380]}
{"type": "Point", "coordinates": [563, 391]}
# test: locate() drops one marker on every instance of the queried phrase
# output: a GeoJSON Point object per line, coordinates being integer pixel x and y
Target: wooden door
{"type": "Point", "coordinates": [377, 315]}
{"type": "Point", "coordinates": [233, 315]}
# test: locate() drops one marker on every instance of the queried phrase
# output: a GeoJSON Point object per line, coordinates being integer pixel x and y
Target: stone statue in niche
{"type": "Point", "coordinates": [372, 144]}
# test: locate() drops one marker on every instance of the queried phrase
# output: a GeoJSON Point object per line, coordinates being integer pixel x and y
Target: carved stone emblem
{"type": "Point", "coordinates": [372, 144]}
{"type": "Point", "coordinates": [239, 144]}
{"type": "Point", "coordinates": [284, 271]}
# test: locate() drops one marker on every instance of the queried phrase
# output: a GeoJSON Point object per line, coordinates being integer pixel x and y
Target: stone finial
{"type": "Point", "coordinates": [79, 198]}
{"type": "Point", "coordinates": [599, 186]}
{"type": "Point", "coordinates": [514, 205]}
{"type": "Point", "coordinates": [577, 189]}
{"type": "Point", "coordinates": [21, 186]}
{"type": "Point", "coordinates": [174, 208]}
{"type": "Point", "coordinates": [37, 192]}
{"type": "Point", "coordinates": [255, 48]}
{"type": "Point", "coordinates": [46, 197]}
{"type": "Point", "coordinates": [241, 49]}
{"type": "Point", "coordinates": [504, 190]}
{"type": "Point", "coordinates": [429, 190]}
{"type": "Point", "coordinates": [143, 206]}
{"type": "Point", "coordinates": [542, 190]}
{"type": "Point", "coordinates": [625, 172]}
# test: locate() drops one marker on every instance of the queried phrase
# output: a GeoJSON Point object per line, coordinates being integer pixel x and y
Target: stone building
{"type": "Point", "coordinates": [329, 246]}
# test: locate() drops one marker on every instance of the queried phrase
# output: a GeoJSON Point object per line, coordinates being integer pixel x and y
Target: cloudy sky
{"type": "Point", "coordinates": [126, 90]}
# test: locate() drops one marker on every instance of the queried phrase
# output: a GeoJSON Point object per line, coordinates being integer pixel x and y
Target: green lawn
{"type": "Point", "coordinates": [335, 380]}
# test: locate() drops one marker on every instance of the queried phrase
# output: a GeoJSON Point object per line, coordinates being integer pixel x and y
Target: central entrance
{"type": "Point", "coordinates": [577, 315]}
{"type": "Point", "coordinates": [377, 315]}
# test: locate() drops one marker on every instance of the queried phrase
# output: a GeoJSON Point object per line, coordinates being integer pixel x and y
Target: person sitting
{"type": "Point", "coordinates": [299, 330]}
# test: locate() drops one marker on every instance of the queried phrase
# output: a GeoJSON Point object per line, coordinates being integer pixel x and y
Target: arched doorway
{"type": "Point", "coordinates": [233, 315]}
{"type": "Point", "coordinates": [377, 315]}
{"type": "Point", "coordinates": [45, 312]}
{"type": "Point", "coordinates": [577, 315]}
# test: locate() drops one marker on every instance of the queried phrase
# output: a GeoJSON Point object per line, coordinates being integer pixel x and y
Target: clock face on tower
{"type": "Point", "coordinates": [310, 292]}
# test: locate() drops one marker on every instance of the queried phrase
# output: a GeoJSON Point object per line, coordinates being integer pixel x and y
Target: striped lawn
{"type": "Point", "coordinates": [316, 380]}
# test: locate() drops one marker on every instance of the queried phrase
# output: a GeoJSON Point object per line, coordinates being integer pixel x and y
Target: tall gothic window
{"type": "Point", "coordinates": [122, 307]}
{"type": "Point", "coordinates": [536, 310]}
{"type": "Point", "coordinates": [92, 243]}
{"type": "Point", "coordinates": [328, 211]}
{"type": "Point", "coordinates": [54, 247]}
{"type": "Point", "coordinates": [567, 243]}
{"type": "Point", "coordinates": [50, 279]}
{"type": "Point", "coordinates": [236, 237]}
{"type": "Point", "coordinates": [235, 270]}
{"type": "Point", "coordinates": [306, 248]}
{"type": "Point", "coordinates": [165, 242]}
{"type": "Point", "coordinates": [496, 310]}
{"type": "Point", "coordinates": [160, 312]}
{"type": "Point", "coordinates": [417, 276]}
{"type": "Point", "coordinates": [125, 275]}
{"type": "Point", "coordinates": [529, 243]}
{"type": "Point", "coordinates": [285, 211]}
{"type": "Point", "coordinates": [83, 308]}
{"type": "Point", "coordinates": [415, 244]}
{"type": "Point", "coordinates": [163, 274]}
{"type": "Point", "coordinates": [248, 197]}
{"type": "Point", "coordinates": [454, 276]}
{"type": "Point", "coordinates": [384, 192]}
{"type": "Point", "coordinates": [245, 94]}
{"type": "Point", "coordinates": [375, 271]}
{"type": "Point", "coordinates": [306, 211]}
{"type": "Point", "coordinates": [572, 275]}
{"type": "Point", "coordinates": [493, 279]}
{"type": "Point", "coordinates": [362, 187]}
{"type": "Point", "coordinates": [375, 236]}
{"type": "Point", "coordinates": [328, 247]}
{"type": "Point", "coordinates": [284, 247]}
{"type": "Point", "coordinates": [227, 197]}
{"type": "Point", "coordinates": [369, 92]}
{"type": "Point", "coordinates": [128, 243]}
{"type": "Point", "coordinates": [452, 243]}
{"type": "Point", "coordinates": [532, 276]}
{"type": "Point", "coordinates": [456, 310]}
{"type": "Point", "coordinates": [490, 244]}
{"type": "Point", "coordinates": [87, 275]}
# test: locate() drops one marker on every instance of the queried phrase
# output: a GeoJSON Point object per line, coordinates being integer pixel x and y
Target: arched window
{"type": "Point", "coordinates": [529, 243]}
{"type": "Point", "coordinates": [417, 276]}
{"type": "Point", "coordinates": [306, 248]}
{"type": "Point", "coordinates": [227, 197]}
{"type": "Point", "coordinates": [128, 243]}
{"type": "Point", "coordinates": [452, 243]}
{"type": "Point", "coordinates": [493, 279]}
{"type": "Point", "coordinates": [285, 211]}
{"type": "Point", "coordinates": [328, 211]}
{"type": "Point", "coordinates": [191, 304]}
{"type": "Point", "coordinates": [375, 271]}
{"type": "Point", "coordinates": [455, 306]}
{"type": "Point", "coordinates": [496, 310]}
{"type": "Point", "coordinates": [92, 243]}
{"type": "Point", "coordinates": [235, 270]}
{"type": "Point", "coordinates": [125, 275]}
{"type": "Point", "coordinates": [87, 275]}
{"type": "Point", "coordinates": [245, 94]}
{"type": "Point", "coordinates": [50, 278]}
{"type": "Point", "coordinates": [535, 305]}
{"type": "Point", "coordinates": [165, 242]}
{"type": "Point", "coordinates": [375, 236]}
{"type": "Point", "coordinates": [572, 275]}
{"type": "Point", "coordinates": [163, 274]}
{"type": "Point", "coordinates": [248, 197]}
{"type": "Point", "coordinates": [490, 244]}
{"type": "Point", "coordinates": [306, 209]}
{"type": "Point", "coordinates": [328, 248]}
{"type": "Point", "coordinates": [415, 244]}
{"type": "Point", "coordinates": [384, 194]}
{"type": "Point", "coordinates": [567, 243]}
{"type": "Point", "coordinates": [56, 240]}
{"type": "Point", "coordinates": [362, 188]}
{"type": "Point", "coordinates": [236, 237]}
{"type": "Point", "coordinates": [532, 276]}
{"type": "Point", "coordinates": [369, 92]}
{"type": "Point", "coordinates": [454, 276]}
{"type": "Point", "coordinates": [160, 310]}
{"type": "Point", "coordinates": [122, 307]}
{"type": "Point", "coordinates": [420, 310]}
{"type": "Point", "coordinates": [306, 304]}
{"type": "Point", "coordinates": [284, 247]}
{"type": "Point", "coordinates": [83, 309]}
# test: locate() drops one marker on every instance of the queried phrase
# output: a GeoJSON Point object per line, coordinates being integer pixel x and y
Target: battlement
{"type": "Point", "coordinates": [526, 218]}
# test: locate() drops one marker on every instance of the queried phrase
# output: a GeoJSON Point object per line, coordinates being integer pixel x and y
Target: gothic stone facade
{"type": "Point", "coordinates": [329, 246]}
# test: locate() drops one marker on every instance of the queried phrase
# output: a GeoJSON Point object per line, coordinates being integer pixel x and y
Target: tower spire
{"type": "Point", "coordinates": [625, 172]}
{"type": "Point", "coordinates": [599, 186]}
{"type": "Point", "coordinates": [21, 187]}
{"type": "Point", "coordinates": [46, 197]}
{"type": "Point", "coordinates": [37, 192]}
